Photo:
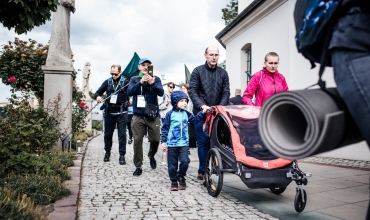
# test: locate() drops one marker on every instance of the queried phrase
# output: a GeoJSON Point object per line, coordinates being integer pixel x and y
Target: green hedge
{"type": "Point", "coordinates": [42, 190]}
{"type": "Point", "coordinates": [13, 206]}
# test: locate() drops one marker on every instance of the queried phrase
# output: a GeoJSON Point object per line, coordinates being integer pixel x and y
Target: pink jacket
{"type": "Point", "coordinates": [264, 84]}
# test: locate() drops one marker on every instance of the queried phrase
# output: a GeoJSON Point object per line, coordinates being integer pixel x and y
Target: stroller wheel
{"type": "Point", "coordinates": [300, 200]}
{"type": "Point", "coordinates": [213, 176]}
{"type": "Point", "coordinates": [278, 191]}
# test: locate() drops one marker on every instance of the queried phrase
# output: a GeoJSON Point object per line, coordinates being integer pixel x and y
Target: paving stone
{"type": "Point", "coordinates": [109, 191]}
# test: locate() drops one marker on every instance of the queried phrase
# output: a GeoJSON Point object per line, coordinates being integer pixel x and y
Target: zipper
{"type": "Point", "coordinates": [181, 129]}
{"type": "Point", "coordinates": [274, 83]}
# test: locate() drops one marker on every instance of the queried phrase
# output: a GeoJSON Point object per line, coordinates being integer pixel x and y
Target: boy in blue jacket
{"type": "Point", "coordinates": [175, 138]}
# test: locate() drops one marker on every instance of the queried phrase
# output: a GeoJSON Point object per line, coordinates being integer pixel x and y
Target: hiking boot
{"type": "Point", "coordinates": [182, 183]}
{"type": "Point", "coordinates": [153, 163]}
{"type": "Point", "coordinates": [138, 171]}
{"type": "Point", "coordinates": [130, 141]}
{"type": "Point", "coordinates": [122, 160]}
{"type": "Point", "coordinates": [106, 157]}
{"type": "Point", "coordinates": [174, 186]}
{"type": "Point", "coordinates": [200, 176]}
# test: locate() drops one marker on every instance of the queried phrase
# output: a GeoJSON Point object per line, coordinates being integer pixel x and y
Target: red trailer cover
{"type": "Point", "coordinates": [247, 112]}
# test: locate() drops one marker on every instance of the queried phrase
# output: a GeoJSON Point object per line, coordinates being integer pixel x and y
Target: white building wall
{"type": "Point", "coordinates": [275, 32]}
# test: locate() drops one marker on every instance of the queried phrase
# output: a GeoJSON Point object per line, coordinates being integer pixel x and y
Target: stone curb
{"type": "Point", "coordinates": [66, 208]}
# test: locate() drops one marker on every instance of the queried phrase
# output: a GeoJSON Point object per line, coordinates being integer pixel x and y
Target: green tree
{"type": "Point", "coordinates": [230, 12]}
{"type": "Point", "coordinates": [22, 60]}
{"type": "Point", "coordinates": [24, 15]}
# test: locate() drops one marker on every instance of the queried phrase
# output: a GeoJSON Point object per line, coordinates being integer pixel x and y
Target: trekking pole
{"type": "Point", "coordinates": [66, 136]}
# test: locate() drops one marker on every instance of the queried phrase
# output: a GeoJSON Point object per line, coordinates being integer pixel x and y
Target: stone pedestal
{"type": "Point", "coordinates": [88, 119]}
{"type": "Point", "coordinates": [58, 79]}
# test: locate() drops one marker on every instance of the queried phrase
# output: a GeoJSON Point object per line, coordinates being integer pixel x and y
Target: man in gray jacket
{"type": "Point", "coordinates": [209, 86]}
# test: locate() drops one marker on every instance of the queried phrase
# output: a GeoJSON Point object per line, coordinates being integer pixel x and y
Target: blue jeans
{"type": "Point", "coordinates": [176, 154]}
{"type": "Point", "coordinates": [203, 145]}
{"type": "Point", "coordinates": [351, 74]}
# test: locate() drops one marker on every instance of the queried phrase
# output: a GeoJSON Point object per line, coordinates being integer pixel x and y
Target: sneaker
{"type": "Point", "coordinates": [182, 183]}
{"type": "Point", "coordinates": [138, 171]}
{"type": "Point", "coordinates": [122, 160]}
{"type": "Point", "coordinates": [153, 162]}
{"type": "Point", "coordinates": [130, 141]}
{"type": "Point", "coordinates": [200, 176]}
{"type": "Point", "coordinates": [106, 157]}
{"type": "Point", "coordinates": [174, 186]}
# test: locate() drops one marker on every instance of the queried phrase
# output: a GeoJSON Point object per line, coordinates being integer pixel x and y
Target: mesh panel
{"type": "Point", "coordinates": [250, 138]}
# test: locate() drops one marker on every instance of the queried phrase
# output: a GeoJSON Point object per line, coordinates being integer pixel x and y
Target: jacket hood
{"type": "Point", "coordinates": [176, 96]}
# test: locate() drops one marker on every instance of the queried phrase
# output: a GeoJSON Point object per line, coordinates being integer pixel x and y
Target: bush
{"type": "Point", "coordinates": [42, 190]}
{"type": "Point", "coordinates": [25, 131]}
{"type": "Point", "coordinates": [13, 206]}
{"type": "Point", "coordinates": [23, 60]}
{"type": "Point", "coordinates": [89, 133]}
{"type": "Point", "coordinates": [97, 125]}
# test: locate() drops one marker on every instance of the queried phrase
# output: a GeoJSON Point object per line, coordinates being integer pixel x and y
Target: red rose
{"type": "Point", "coordinates": [87, 107]}
{"type": "Point", "coordinates": [12, 79]}
{"type": "Point", "coordinates": [82, 104]}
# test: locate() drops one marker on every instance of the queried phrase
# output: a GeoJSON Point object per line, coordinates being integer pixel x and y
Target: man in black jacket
{"type": "Point", "coordinates": [144, 90]}
{"type": "Point", "coordinates": [237, 100]}
{"type": "Point", "coordinates": [115, 111]}
{"type": "Point", "coordinates": [209, 86]}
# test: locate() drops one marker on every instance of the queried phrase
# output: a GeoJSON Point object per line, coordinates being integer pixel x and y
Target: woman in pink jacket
{"type": "Point", "coordinates": [265, 82]}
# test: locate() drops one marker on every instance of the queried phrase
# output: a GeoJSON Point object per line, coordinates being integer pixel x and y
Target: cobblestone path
{"type": "Point", "coordinates": [110, 191]}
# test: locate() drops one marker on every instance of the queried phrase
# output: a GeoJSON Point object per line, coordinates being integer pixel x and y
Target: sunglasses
{"type": "Point", "coordinates": [114, 74]}
{"type": "Point", "coordinates": [171, 87]}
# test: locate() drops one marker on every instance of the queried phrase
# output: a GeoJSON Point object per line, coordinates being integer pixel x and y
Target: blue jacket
{"type": "Point", "coordinates": [150, 91]}
{"type": "Point", "coordinates": [175, 125]}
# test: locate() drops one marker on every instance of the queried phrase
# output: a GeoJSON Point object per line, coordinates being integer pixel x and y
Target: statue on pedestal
{"type": "Point", "coordinates": [85, 82]}
{"type": "Point", "coordinates": [60, 53]}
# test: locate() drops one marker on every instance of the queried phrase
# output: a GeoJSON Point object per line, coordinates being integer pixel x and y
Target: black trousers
{"type": "Point", "coordinates": [110, 123]}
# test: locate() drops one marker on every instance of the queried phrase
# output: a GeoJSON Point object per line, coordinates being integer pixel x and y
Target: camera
{"type": "Point", "coordinates": [150, 70]}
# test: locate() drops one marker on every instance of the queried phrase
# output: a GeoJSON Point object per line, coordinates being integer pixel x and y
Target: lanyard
{"type": "Point", "coordinates": [118, 83]}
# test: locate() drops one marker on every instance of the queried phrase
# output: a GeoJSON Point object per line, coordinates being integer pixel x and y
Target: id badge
{"type": "Point", "coordinates": [113, 99]}
{"type": "Point", "coordinates": [140, 101]}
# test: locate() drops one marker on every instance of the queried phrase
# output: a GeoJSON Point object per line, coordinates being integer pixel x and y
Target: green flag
{"type": "Point", "coordinates": [187, 75]}
{"type": "Point", "coordinates": [131, 68]}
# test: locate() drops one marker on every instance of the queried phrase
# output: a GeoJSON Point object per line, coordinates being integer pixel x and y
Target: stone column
{"type": "Point", "coordinates": [86, 91]}
{"type": "Point", "coordinates": [58, 80]}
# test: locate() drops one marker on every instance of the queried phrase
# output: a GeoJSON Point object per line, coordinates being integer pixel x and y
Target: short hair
{"type": "Point", "coordinates": [206, 51]}
{"type": "Point", "coordinates": [272, 54]}
{"type": "Point", "coordinates": [170, 83]}
{"type": "Point", "coordinates": [116, 65]}
{"type": "Point", "coordinates": [238, 92]}
{"type": "Point", "coordinates": [186, 86]}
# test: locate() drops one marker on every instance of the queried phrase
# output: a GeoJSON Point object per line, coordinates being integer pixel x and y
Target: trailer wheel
{"type": "Point", "coordinates": [213, 175]}
{"type": "Point", "coordinates": [300, 200]}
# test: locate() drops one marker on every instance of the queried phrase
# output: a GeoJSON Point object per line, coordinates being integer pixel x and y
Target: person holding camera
{"type": "Point", "coordinates": [115, 111]}
{"type": "Point", "coordinates": [145, 89]}
{"type": "Point", "coordinates": [209, 86]}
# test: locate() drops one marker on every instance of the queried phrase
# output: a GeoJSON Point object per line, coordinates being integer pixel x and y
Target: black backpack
{"type": "Point", "coordinates": [314, 21]}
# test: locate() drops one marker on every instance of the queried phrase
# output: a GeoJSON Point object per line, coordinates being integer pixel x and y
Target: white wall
{"type": "Point", "coordinates": [275, 32]}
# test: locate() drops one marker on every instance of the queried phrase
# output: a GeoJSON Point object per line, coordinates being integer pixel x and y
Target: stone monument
{"type": "Point", "coordinates": [86, 91]}
{"type": "Point", "coordinates": [58, 70]}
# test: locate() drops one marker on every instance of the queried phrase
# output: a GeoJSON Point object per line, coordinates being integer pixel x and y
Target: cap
{"type": "Point", "coordinates": [143, 60]}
